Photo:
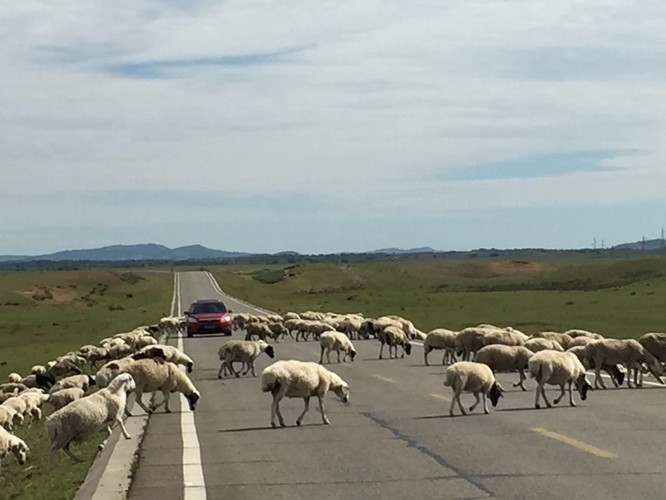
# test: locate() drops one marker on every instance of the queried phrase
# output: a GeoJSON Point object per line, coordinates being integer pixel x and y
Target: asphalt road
{"type": "Point", "coordinates": [395, 439]}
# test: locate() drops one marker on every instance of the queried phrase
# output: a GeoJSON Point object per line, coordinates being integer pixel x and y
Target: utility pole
{"type": "Point", "coordinates": [594, 243]}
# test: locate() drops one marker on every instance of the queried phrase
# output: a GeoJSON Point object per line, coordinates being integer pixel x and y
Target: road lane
{"type": "Point", "coordinates": [395, 439]}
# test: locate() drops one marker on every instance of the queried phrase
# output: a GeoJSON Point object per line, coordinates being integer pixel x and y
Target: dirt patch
{"type": "Point", "coordinates": [56, 295]}
{"type": "Point", "coordinates": [516, 267]}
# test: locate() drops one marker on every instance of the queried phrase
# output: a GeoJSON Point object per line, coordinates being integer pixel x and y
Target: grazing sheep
{"type": "Point", "coordinates": [81, 381]}
{"type": "Point", "coordinates": [63, 397]}
{"type": "Point", "coordinates": [9, 416]}
{"type": "Point", "coordinates": [627, 352]}
{"type": "Point", "coordinates": [503, 337]}
{"type": "Point", "coordinates": [613, 371]}
{"type": "Point", "coordinates": [394, 337]}
{"type": "Point", "coordinates": [167, 353]}
{"type": "Point", "coordinates": [541, 344]}
{"type": "Point", "coordinates": [12, 444]}
{"type": "Point", "coordinates": [477, 378]}
{"type": "Point", "coordinates": [336, 341]}
{"type": "Point", "coordinates": [37, 380]}
{"type": "Point", "coordinates": [501, 358]}
{"type": "Point", "coordinates": [561, 338]}
{"type": "Point", "coordinates": [155, 374]}
{"type": "Point", "coordinates": [14, 377]}
{"type": "Point", "coordinates": [105, 374]}
{"type": "Point", "coordinates": [244, 351]}
{"type": "Point", "coordinates": [470, 340]}
{"type": "Point", "coordinates": [259, 330]}
{"type": "Point", "coordinates": [297, 379]}
{"type": "Point", "coordinates": [82, 418]}
{"type": "Point", "coordinates": [440, 338]}
{"type": "Point", "coordinates": [312, 328]}
{"type": "Point", "coordinates": [655, 343]}
{"type": "Point", "coordinates": [558, 368]}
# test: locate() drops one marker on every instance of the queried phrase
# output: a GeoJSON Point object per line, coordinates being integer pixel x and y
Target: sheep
{"type": "Point", "coordinates": [336, 341]}
{"type": "Point", "coordinates": [13, 444]}
{"type": "Point", "coordinates": [440, 338]}
{"type": "Point", "coordinates": [314, 328]}
{"type": "Point", "coordinates": [394, 336]}
{"type": "Point", "coordinates": [290, 315]}
{"type": "Point", "coordinates": [82, 418]}
{"type": "Point", "coordinates": [105, 374]}
{"type": "Point", "coordinates": [81, 381]}
{"type": "Point", "coordinates": [96, 354]}
{"type": "Point", "coordinates": [155, 374]}
{"type": "Point", "coordinates": [298, 379]}
{"type": "Point", "coordinates": [63, 368]}
{"type": "Point", "coordinates": [558, 368]}
{"type": "Point", "coordinates": [613, 371]}
{"type": "Point", "coordinates": [167, 353]}
{"type": "Point", "coordinates": [581, 341]}
{"type": "Point", "coordinates": [470, 340]}
{"type": "Point", "coordinates": [277, 329]}
{"type": "Point", "coordinates": [9, 416]}
{"type": "Point", "coordinates": [259, 330]}
{"type": "Point", "coordinates": [503, 337]}
{"type": "Point", "coordinates": [563, 339]}
{"type": "Point", "coordinates": [25, 406]}
{"type": "Point", "coordinates": [506, 358]}
{"type": "Point", "coordinates": [38, 369]}
{"type": "Point", "coordinates": [14, 377]}
{"type": "Point", "coordinates": [37, 380]}
{"type": "Point", "coordinates": [542, 344]}
{"type": "Point", "coordinates": [245, 351]}
{"type": "Point", "coordinates": [468, 376]}
{"type": "Point", "coordinates": [63, 397]}
{"type": "Point", "coordinates": [627, 352]}
{"type": "Point", "coordinates": [575, 333]}
{"type": "Point", "coordinates": [655, 343]}
{"type": "Point", "coordinates": [12, 386]}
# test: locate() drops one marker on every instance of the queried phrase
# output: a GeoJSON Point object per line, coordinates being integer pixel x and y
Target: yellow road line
{"type": "Point", "coordinates": [588, 448]}
{"type": "Point", "coordinates": [442, 397]}
{"type": "Point", "coordinates": [384, 379]}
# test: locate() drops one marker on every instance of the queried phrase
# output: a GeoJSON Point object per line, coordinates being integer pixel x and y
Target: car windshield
{"type": "Point", "coordinates": [208, 308]}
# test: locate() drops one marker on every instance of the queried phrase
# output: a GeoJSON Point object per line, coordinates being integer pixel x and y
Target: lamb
{"type": "Point", "coordinates": [245, 351]}
{"type": "Point", "coordinates": [655, 343]}
{"type": "Point", "coordinates": [12, 444]}
{"type": "Point", "coordinates": [477, 378]}
{"type": "Point", "coordinates": [297, 379]}
{"type": "Point", "coordinates": [167, 353]}
{"type": "Point", "coordinates": [506, 358]}
{"type": "Point", "coordinates": [440, 338]}
{"type": "Point", "coordinates": [82, 418]}
{"type": "Point", "coordinates": [394, 336]}
{"type": "Point", "coordinates": [63, 397]}
{"type": "Point", "coordinates": [627, 352]}
{"type": "Point", "coordinates": [336, 341]}
{"type": "Point", "coordinates": [155, 374]}
{"type": "Point", "coordinates": [558, 368]}
{"type": "Point", "coordinates": [81, 381]}
{"type": "Point", "coordinates": [613, 371]}
{"type": "Point", "coordinates": [541, 344]}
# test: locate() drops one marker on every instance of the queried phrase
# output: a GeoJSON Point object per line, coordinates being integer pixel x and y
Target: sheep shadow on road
{"type": "Point", "coordinates": [267, 428]}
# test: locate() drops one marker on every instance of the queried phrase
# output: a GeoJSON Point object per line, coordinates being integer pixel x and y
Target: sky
{"type": "Point", "coordinates": [329, 126]}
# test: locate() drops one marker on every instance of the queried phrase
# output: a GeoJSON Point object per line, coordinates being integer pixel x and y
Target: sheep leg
{"type": "Point", "coordinates": [457, 398]}
{"type": "Point", "coordinates": [321, 356]}
{"type": "Point", "coordinates": [478, 400]}
{"type": "Point", "coordinates": [71, 454]}
{"type": "Point", "coordinates": [328, 355]}
{"type": "Point", "coordinates": [597, 374]}
{"type": "Point", "coordinates": [139, 394]}
{"type": "Point", "coordinates": [543, 394]}
{"type": "Point", "coordinates": [252, 366]}
{"type": "Point", "coordinates": [323, 410]}
{"type": "Point", "coordinates": [485, 404]}
{"type": "Point", "coordinates": [275, 410]}
{"type": "Point", "coordinates": [536, 397]}
{"type": "Point", "coordinates": [425, 355]}
{"type": "Point", "coordinates": [119, 421]}
{"type": "Point", "coordinates": [305, 410]}
{"type": "Point", "coordinates": [222, 368]}
{"type": "Point", "coordinates": [521, 382]}
{"type": "Point", "coordinates": [338, 355]}
{"type": "Point", "coordinates": [381, 349]}
{"type": "Point", "coordinates": [559, 398]}
{"type": "Point", "coordinates": [571, 401]}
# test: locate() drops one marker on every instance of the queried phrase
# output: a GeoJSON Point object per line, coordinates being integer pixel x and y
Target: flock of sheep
{"type": "Point", "coordinates": [136, 361]}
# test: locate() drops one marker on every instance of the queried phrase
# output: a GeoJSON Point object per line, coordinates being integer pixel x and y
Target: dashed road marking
{"type": "Point", "coordinates": [442, 397]}
{"type": "Point", "coordinates": [385, 379]}
{"type": "Point", "coordinates": [588, 448]}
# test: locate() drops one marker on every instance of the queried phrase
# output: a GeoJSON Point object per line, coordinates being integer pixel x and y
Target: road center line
{"type": "Point", "coordinates": [588, 448]}
{"type": "Point", "coordinates": [194, 486]}
{"type": "Point", "coordinates": [384, 378]}
{"type": "Point", "coordinates": [442, 397]}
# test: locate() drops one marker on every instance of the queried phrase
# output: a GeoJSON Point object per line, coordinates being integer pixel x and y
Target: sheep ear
{"type": "Point", "coordinates": [113, 366]}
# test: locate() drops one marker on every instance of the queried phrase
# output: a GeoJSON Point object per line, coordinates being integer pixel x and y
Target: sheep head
{"type": "Point", "coordinates": [193, 399]}
{"type": "Point", "coordinates": [270, 352]}
{"type": "Point", "coordinates": [495, 393]}
{"type": "Point", "coordinates": [19, 449]}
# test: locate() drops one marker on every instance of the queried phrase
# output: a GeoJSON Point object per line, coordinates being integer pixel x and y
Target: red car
{"type": "Point", "coordinates": [208, 316]}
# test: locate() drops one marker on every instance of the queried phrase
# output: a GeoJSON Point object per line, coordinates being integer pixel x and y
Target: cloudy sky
{"type": "Point", "coordinates": [324, 126]}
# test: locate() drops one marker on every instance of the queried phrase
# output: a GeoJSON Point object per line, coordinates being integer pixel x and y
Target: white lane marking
{"type": "Point", "coordinates": [217, 288]}
{"type": "Point", "coordinates": [194, 486]}
{"type": "Point", "coordinates": [175, 294]}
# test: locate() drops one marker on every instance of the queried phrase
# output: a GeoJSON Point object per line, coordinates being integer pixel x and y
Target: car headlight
{"type": "Point", "coordinates": [190, 319]}
{"type": "Point", "coordinates": [225, 319]}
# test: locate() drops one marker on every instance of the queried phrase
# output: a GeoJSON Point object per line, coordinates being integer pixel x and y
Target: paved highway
{"type": "Point", "coordinates": [395, 439]}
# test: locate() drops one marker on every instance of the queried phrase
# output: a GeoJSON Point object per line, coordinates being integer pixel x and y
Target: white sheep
{"type": "Point", "coordinates": [558, 368]}
{"type": "Point", "coordinates": [9, 416]}
{"type": "Point", "coordinates": [477, 378]}
{"type": "Point", "coordinates": [470, 340]}
{"type": "Point", "coordinates": [506, 358]}
{"type": "Point", "coordinates": [12, 444]}
{"type": "Point", "coordinates": [297, 379]}
{"type": "Point", "coordinates": [543, 344]}
{"type": "Point", "coordinates": [655, 343]}
{"type": "Point", "coordinates": [81, 381]}
{"type": "Point", "coordinates": [613, 371]}
{"type": "Point", "coordinates": [244, 351]}
{"type": "Point", "coordinates": [63, 397]}
{"type": "Point", "coordinates": [105, 374]}
{"type": "Point", "coordinates": [155, 374]}
{"type": "Point", "coordinates": [563, 339]}
{"type": "Point", "coordinates": [440, 338]}
{"type": "Point", "coordinates": [336, 341]}
{"type": "Point", "coordinates": [83, 418]}
{"type": "Point", "coordinates": [394, 337]}
{"type": "Point", "coordinates": [167, 353]}
{"type": "Point", "coordinates": [627, 352]}
{"type": "Point", "coordinates": [14, 377]}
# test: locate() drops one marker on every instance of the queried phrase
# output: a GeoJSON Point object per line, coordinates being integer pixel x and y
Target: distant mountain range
{"type": "Point", "coordinates": [400, 251]}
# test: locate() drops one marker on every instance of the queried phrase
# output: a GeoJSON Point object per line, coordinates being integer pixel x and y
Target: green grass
{"type": "Point", "coordinates": [619, 298]}
{"type": "Point", "coordinates": [45, 314]}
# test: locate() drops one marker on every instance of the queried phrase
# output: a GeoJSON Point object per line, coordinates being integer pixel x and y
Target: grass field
{"type": "Point", "coordinates": [619, 298]}
{"type": "Point", "coordinates": [43, 315]}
